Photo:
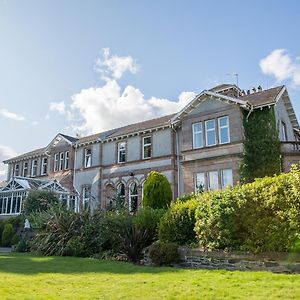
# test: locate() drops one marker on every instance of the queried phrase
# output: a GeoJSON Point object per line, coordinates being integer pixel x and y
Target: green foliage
{"type": "Point", "coordinates": [23, 246]}
{"type": "Point", "coordinates": [15, 239]}
{"type": "Point", "coordinates": [148, 219]}
{"type": "Point", "coordinates": [164, 253]}
{"type": "Point", "coordinates": [260, 216]}
{"type": "Point", "coordinates": [261, 155]}
{"type": "Point", "coordinates": [38, 201]}
{"type": "Point", "coordinates": [177, 225]}
{"type": "Point", "coordinates": [157, 191]}
{"type": "Point", "coordinates": [7, 235]}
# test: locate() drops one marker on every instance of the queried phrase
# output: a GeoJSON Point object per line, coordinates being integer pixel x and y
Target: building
{"type": "Point", "coordinates": [201, 144]}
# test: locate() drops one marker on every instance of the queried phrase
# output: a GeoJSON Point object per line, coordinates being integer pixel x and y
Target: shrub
{"type": "Point", "coordinates": [23, 246]}
{"type": "Point", "coordinates": [164, 253]}
{"type": "Point", "coordinates": [38, 201]}
{"type": "Point", "coordinates": [177, 225]}
{"type": "Point", "coordinates": [7, 235]}
{"type": "Point", "coordinates": [148, 219]}
{"type": "Point", "coordinates": [260, 216]}
{"type": "Point", "coordinates": [157, 191]}
{"type": "Point", "coordinates": [15, 239]}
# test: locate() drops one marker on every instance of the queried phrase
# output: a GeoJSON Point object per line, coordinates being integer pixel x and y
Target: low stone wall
{"type": "Point", "coordinates": [215, 260]}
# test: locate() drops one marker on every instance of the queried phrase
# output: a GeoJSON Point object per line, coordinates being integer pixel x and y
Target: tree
{"type": "Point", "coordinates": [261, 155]}
{"type": "Point", "coordinates": [38, 201]}
{"type": "Point", "coordinates": [157, 191]}
{"type": "Point", "coordinates": [7, 235]}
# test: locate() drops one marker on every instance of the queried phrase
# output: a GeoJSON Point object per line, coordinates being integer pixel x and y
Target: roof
{"type": "Point", "coordinates": [222, 87]}
{"type": "Point", "coordinates": [264, 97]}
{"type": "Point", "coordinates": [32, 153]}
{"type": "Point", "coordinates": [69, 138]}
{"type": "Point", "coordinates": [140, 126]}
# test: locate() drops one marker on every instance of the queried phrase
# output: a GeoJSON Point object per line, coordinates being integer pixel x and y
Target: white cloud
{"type": "Point", "coordinates": [282, 66]}
{"type": "Point", "coordinates": [113, 67]}
{"type": "Point", "coordinates": [10, 115]}
{"type": "Point", "coordinates": [96, 109]}
{"type": "Point", "coordinates": [57, 106]}
{"type": "Point", "coordinates": [35, 123]}
{"type": "Point", "coordinates": [5, 153]}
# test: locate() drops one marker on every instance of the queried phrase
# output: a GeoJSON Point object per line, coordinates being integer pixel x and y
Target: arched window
{"type": "Point", "coordinates": [120, 197]}
{"type": "Point", "coordinates": [133, 197]}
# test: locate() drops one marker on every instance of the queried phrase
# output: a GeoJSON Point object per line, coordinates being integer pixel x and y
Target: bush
{"type": "Point", "coordinates": [7, 235]}
{"type": "Point", "coordinates": [15, 239]}
{"type": "Point", "coordinates": [23, 246]}
{"type": "Point", "coordinates": [177, 225]}
{"type": "Point", "coordinates": [38, 201]}
{"type": "Point", "coordinates": [157, 191]}
{"type": "Point", "coordinates": [260, 216]}
{"type": "Point", "coordinates": [148, 219]}
{"type": "Point", "coordinates": [164, 253]}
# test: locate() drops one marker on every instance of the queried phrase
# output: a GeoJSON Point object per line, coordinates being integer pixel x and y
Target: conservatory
{"type": "Point", "coordinates": [16, 190]}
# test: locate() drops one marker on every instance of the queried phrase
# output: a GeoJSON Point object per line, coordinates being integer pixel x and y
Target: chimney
{"type": "Point", "coordinates": [248, 92]}
{"type": "Point", "coordinates": [259, 88]}
{"type": "Point", "coordinates": [243, 93]}
{"type": "Point", "coordinates": [254, 90]}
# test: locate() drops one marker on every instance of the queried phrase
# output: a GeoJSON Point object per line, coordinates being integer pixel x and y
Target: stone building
{"type": "Point", "coordinates": [200, 145]}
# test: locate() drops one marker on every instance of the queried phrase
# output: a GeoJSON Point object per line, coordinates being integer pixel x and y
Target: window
{"type": "Point", "coordinates": [213, 180]}
{"type": "Point", "coordinates": [67, 160]}
{"type": "Point", "coordinates": [283, 131]}
{"type": "Point", "coordinates": [133, 197]}
{"type": "Point", "coordinates": [25, 169]}
{"type": "Point", "coordinates": [16, 205]}
{"type": "Point", "coordinates": [55, 168]}
{"type": "Point", "coordinates": [210, 131]}
{"type": "Point", "coordinates": [86, 196]}
{"type": "Point", "coordinates": [87, 158]}
{"type": "Point", "coordinates": [44, 166]}
{"type": "Point", "coordinates": [146, 147]}
{"type": "Point", "coordinates": [121, 152]}
{"type": "Point", "coordinates": [120, 201]}
{"type": "Point", "coordinates": [197, 135]}
{"type": "Point", "coordinates": [17, 170]}
{"type": "Point", "coordinates": [61, 161]}
{"type": "Point", "coordinates": [200, 182]}
{"type": "Point", "coordinates": [226, 178]}
{"type": "Point", "coordinates": [224, 135]}
{"type": "Point", "coordinates": [34, 168]}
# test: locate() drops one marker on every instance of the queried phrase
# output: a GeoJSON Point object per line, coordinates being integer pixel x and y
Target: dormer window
{"type": "Point", "coordinates": [67, 160]}
{"type": "Point", "coordinates": [25, 169]}
{"type": "Point", "coordinates": [61, 161]}
{"type": "Point", "coordinates": [44, 166]}
{"type": "Point", "coordinates": [17, 170]}
{"type": "Point", "coordinates": [121, 152]}
{"type": "Point", "coordinates": [87, 158]}
{"type": "Point", "coordinates": [55, 167]}
{"type": "Point", "coordinates": [34, 168]}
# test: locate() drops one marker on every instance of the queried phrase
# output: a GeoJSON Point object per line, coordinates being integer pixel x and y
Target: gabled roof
{"type": "Point", "coordinates": [69, 139]}
{"type": "Point", "coordinates": [264, 98]}
{"type": "Point", "coordinates": [204, 96]}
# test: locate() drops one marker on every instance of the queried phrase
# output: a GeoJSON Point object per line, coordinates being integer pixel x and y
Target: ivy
{"type": "Point", "coordinates": [261, 155]}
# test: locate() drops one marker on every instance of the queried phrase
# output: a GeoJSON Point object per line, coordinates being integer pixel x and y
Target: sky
{"type": "Point", "coordinates": [81, 67]}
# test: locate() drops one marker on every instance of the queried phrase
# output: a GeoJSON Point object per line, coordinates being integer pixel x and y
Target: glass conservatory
{"type": "Point", "coordinates": [16, 190]}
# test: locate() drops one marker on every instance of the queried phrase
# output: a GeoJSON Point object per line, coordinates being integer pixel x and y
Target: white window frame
{"type": "Point", "coordinates": [283, 131]}
{"type": "Point", "coordinates": [85, 199]}
{"type": "Point", "coordinates": [208, 130]}
{"type": "Point", "coordinates": [223, 186]}
{"type": "Point", "coordinates": [17, 170]}
{"type": "Point", "coordinates": [87, 157]}
{"type": "Point", "coordinates": [132, 196]}
{"type": "Point", "coordinates": [55, 167]}
{"type": "Point", "coordinates": [224, 127]}
{"type": "Point", "coordinates": [196, 180]}
{"type": "Point", "coordinates": [34, 164]}
{"type": "Point", "coordinates": [25, 167]}
{"type": "Point", "coordinates": [67, 163]}
{"type": "Point", "coordinates": [146, 145]}
{"type": "Point", "coordinates": [209, 180]}
{"type": "Point", "coordinates": [199, 132]}
{"type": "Point", "coordinates": [61, 161]}
{"type": "Point", "coordinates": [123, 144]}
{"type": "Point", "coordinates": [44, 164]}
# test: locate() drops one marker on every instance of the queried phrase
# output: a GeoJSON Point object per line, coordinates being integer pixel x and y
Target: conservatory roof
{"type": "Point", "coordinates": [24, 183]}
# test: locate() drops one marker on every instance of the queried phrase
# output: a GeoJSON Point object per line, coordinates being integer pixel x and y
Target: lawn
{"type": "Point", "coordinates": [25, 276]}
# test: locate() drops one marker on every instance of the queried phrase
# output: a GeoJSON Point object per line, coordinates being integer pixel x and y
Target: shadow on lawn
{"type": "Point", "coordinates": [28, 264]}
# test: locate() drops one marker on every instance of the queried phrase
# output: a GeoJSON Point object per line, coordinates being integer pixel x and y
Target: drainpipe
{"type": "Point", "coordinates": [77, 208]}
{"type": "Point", "coordinates": [177, 157]}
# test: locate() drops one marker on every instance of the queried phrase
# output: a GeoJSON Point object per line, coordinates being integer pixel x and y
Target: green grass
{"type": "Point", "coordinates": [32, 277]}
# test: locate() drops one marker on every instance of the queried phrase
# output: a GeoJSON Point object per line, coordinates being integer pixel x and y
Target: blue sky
{"type": "Point", "coordinates": [56, 77]}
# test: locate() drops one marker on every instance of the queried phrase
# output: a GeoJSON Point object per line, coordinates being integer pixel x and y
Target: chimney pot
{"type": "Point", "coordinates": [259, 88]}
{"type": "Point", "coordinates": [254, 90]}
{"type": "Point", "coordinates": [248, 92]}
